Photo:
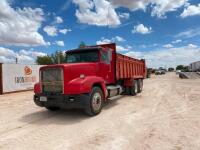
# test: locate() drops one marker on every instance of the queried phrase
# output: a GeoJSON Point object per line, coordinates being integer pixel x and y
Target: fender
{"type": "Point", "coordinates": [80, 86]}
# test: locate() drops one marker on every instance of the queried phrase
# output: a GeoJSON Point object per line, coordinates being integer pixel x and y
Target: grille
{"type": "Point", "coordinates": [52, 80]}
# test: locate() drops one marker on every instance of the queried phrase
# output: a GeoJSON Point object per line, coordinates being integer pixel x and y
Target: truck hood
{"type": "Point", "coordinates": [74, 70]}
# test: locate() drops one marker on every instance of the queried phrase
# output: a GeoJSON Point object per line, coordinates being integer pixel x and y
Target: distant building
{"type": "Point", "coordinates": [195, 66]}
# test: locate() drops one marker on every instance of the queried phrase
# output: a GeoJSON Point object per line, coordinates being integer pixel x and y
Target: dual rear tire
{"type": "Point", "coordinates": [136, 87]}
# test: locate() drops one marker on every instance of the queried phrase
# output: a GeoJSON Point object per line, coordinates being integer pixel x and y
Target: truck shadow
{"type": "Point", "coordinates": [45, 117]}
{"type": "Point", "coordinates": [64, 116]}
{"type": "Point", "coordinates": [111, 103]}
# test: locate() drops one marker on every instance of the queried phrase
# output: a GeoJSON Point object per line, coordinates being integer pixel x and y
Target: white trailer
{"type": "Point", "coordinates": [195, 66]}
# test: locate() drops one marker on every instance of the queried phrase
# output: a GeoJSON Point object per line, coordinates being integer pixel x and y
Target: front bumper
{"type": "Point", "coordinates": [62, 101]}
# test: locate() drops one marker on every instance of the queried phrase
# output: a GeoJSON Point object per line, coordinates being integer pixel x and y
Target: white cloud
{"type": "Point", "coordinates": [48, 43]}
{"type": "Point", "coordinates": [90, 9]}
{"type": "Point", "coordinates": [24, 59]}
{"type": "Point", "coordinates": [161, 7]}
{"type": "Point", "coordinates": [31, 53]}
{"type": "Point", "coordinates": [6, 52]}
{"type": "Point", "coordinates": [65, 6]}
{"type": "Point", "coordinates": [131, 4]}
{"type": "Point", "coordinates": [155, 44]}
{"type": "Point", "coordinates": [58, 19]}
{"type": "Point", "coordinates": [168, 46]}
{"type": "Point", "coordinates": [24, 52]}
{"type": "Point", "coordinates": [36, 54]}
{"type": "Point", "coordinates": [124, 15]}
{"type": "Point", "coordinates": [168, 57]}
{"type": "Point", "coordinates": [4, 59]}
{"type": "Point", "coordinates": [64, 31]}
{"type": "Point", "coordinates": [188, 33]}
{"type": "Point", "coordinates": [112, 40]}
{"type": "Point", "coordinates": [23, 56]}
{"type": "Point", "coordinates": [177, 41]}
{"type": "Point", "coordinates": [50, 30]}
{"type": "Point", "coordinates": [191, 10]}
{"type": "Point", "coordinates": [120, 48]}
{"type": "Point", "coordinates": [129, 47]}
{"type": "Point", "coordinates": [192, 46]}
{"type": "Point", "coordinates": [60, 43]}
{"type": "Point", "coordinates": [103, 41]}
{"type": "Point", "coordinates": [103, 12]}
{"type": "Point", "coordinates": [19, 26]}
{"type": "Point", "coordinates": [97, 12]}
{"type": "Point", "coordinates": [142, 29]}
{"type": "Point", "coordinates": [143, 46]}
{"type": "Point", "coordinates": [118, 39]}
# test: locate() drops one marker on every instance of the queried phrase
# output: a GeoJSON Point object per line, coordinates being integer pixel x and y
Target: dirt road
{"type": "Point", "coordinates": [166, 116]}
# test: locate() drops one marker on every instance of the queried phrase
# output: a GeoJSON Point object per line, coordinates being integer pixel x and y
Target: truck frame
{"type": "Point", "coordinates": [90, 76]}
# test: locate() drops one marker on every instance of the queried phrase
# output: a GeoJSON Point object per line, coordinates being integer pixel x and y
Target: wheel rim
{"type": "Point", "coordinates": [96, 101]}
{"type": "Point", "coordinates": [141, 85]}
{"type": "Point", "coordinates": [136, 87]}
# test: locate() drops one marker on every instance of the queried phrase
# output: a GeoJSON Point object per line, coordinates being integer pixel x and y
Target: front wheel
{"type": "Point", "coordinates": [95, 102]}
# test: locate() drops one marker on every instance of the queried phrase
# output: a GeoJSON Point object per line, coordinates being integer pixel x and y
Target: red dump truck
{"type": "Point", "coordinates": [90, 76]}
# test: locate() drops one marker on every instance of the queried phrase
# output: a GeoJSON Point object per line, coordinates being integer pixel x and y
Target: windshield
{"type": "Point", "coordinates": [82, 56]}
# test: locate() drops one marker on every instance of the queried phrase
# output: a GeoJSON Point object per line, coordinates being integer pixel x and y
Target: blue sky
{"type": "Point", "coordinates": [165, 33]}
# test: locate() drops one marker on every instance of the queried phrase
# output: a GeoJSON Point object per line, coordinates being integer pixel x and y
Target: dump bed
{"type": "Point", "coordinates": [127, 67]}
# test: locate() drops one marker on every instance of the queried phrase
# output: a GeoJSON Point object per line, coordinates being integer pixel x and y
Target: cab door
{"type": "Point", "coordinates": [105, 64]}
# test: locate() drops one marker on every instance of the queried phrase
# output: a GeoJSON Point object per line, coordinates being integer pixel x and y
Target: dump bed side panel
{"type": "Point", "coordinates": [127, 67]}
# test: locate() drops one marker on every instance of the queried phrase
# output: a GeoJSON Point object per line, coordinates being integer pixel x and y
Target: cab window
{"type": "Point", "coordinates": [106, 56]}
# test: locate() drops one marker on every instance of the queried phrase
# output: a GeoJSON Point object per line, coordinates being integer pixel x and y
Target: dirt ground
{"type": "Point", "coordinates": [165, 116]}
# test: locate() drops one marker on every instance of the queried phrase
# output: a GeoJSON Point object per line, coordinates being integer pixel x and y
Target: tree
{"type": "Point", "coordinates": [82, 45]}
{"type": "Point", "coordinates": [44, 60]}
{"type": "Point", "coordinates": [170, 69]}
{"type": "Point", "coordinates": [58, 57]}
{"type": "Point", "coordinates": [180, 67]}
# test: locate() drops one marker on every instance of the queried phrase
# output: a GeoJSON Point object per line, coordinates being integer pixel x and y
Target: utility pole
{"type": "Point", "coordinates": [58, 55]}
{"type": "Point", "coordinates": [16, 60]}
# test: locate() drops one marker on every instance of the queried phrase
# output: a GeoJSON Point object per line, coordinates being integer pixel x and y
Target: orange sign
{"type": "Point", "coordinates": [27, 70]}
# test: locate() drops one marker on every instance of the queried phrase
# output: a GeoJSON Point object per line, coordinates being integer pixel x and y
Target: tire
{"type": "Point", "coordinates": [127, 90]}
{"type": "Point", "coordinates": [94, 102]}
{"type": "Point", "coordinates": [134, 88]}
{"type": "Point", "coordinates": [53, 108]}
{"type": "Point", "coordinates": [140, 85]}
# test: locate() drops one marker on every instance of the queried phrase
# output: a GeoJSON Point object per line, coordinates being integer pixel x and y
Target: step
{"type": "Point", "coordinates": [115, 97]}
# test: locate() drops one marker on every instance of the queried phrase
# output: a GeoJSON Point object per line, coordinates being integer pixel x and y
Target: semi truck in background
{"type": "Point", "coordinates": [90, 76]}
{"type": "Point", "coordinates": [195, 66]}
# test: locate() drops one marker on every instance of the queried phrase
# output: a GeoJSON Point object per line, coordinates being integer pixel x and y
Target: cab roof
{"type": "Point", "coordinates": [84, 49]}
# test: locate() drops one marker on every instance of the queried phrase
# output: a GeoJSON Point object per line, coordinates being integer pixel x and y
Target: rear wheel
{"type": "Point", "coordinates": [51, 108]}
{"type": "Point", "coordinates": [140, 85]}
{"type": "Point", "coordinates": [134, 88]}
{"type": "Point", "coordinates": [127, 90]}
{"type": "Point", "coordinates": [94, 102]}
